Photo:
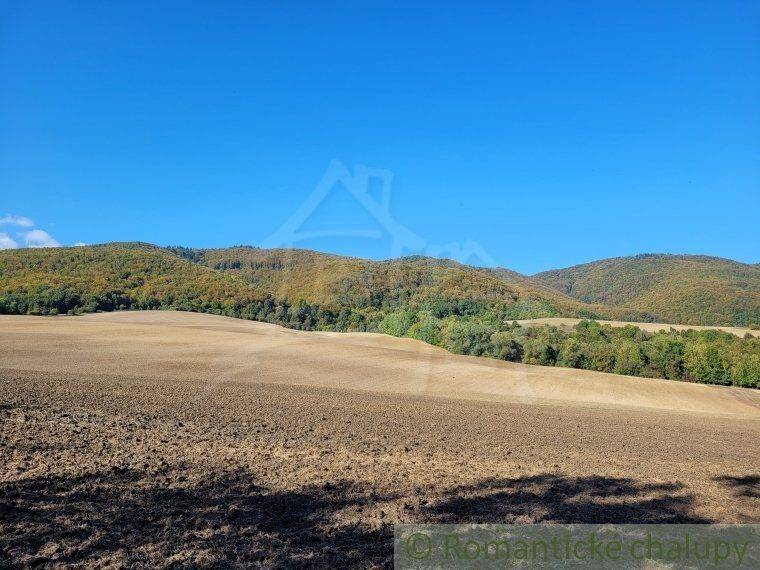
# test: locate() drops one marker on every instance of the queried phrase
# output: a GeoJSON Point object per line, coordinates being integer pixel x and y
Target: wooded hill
{"type": "Point", "coordinates": [464, 309]}
{"type": "Point", "coordinates": [685, 289]}
{"type": "Point", "coordinates": [245, 281]}
{"type": "Point", "coordinates": [335, 282]}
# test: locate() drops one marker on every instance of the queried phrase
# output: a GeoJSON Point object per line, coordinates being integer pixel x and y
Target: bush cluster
{"type": "Point", "coordinates": [706, 356]}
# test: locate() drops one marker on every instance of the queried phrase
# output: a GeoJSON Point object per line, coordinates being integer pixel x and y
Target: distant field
{"type": "Point", "coordinates": [154, 438]}
{"type": "Point", "coordinates": [649, 327]}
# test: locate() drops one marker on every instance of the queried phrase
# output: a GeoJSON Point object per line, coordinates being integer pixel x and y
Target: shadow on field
{"type": "Point", "coordinates": [743, 486]}
{"type": "Point", "coordinates": [124, 517]}
{"type": "Point", "coordinates": [558, 499]}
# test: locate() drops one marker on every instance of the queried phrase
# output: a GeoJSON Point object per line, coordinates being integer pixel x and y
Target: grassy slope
{"type": "Point", "coordinates": [697, 290]}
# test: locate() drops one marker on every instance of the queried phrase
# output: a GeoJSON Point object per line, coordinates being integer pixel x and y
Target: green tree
{"type": "Point", "coordinates": [506, 346]}
{"type": "Point", "coordinates": [397, 323]}
{"type": "Point", "coordinates": [426, 329]}
{"type": "Point", "coordinates": [746, 371]}
{"type": "Point", "coordinates": [540, 351]}
{"type": "Point", "coordinates": [466, 337]}
{"type": "Point", "coordinates": [704, 362]}
{"type": "Point", "coordinates": [629, 359]}
{"type": "Point", "coordinates": [602, 356]}
{"type": "Point", "coordinates": [665, 356]}
{"type": "Point", "coordinates": [574, 353]}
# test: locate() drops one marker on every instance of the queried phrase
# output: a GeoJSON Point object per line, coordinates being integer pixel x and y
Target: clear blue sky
{"type": "Point", "coordinates": [548, 133]}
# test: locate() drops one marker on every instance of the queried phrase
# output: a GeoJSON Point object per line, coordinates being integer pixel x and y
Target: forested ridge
{"type": "Point", "coordinates": [463, 309]}
{"type": "Point", "coordinates": [685, 289]}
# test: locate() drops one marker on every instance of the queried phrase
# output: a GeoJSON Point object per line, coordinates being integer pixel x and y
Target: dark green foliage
{"type": "Point", "coordinates": [575, 354]}
{"type": "Point", "coordinates": [705, 361]}
{"type": "Point", "coordinates": [397, 323]}
{"type": "Point", "coordinates": [506, 346]}
{"type": "Point", "coordinates": [426, 329]}
{"type": "Point", "coordinates": [467, 337]}
{"type": "Point", "coordinates": [710, 356]}
{"type": "Point", "coordinates": [629, 358]}
{"type": "Point", "coordinates": [664, 355]}
{"type": "Point", "coordinates": [746, 370]}
{"type": "Point", "coordinates": [539, 351]}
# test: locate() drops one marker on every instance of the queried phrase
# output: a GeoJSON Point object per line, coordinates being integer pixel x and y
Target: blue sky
{"type": "Point", "coordinates": [539, 134]}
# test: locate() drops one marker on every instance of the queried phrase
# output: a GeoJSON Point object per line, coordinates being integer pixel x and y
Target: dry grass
{"type": "Point", "coordinates": [648, 327]}
{"type": "Point", "coordinates": [151, 438]}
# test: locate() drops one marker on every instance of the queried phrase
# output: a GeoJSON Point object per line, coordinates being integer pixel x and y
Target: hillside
{"type": "Point", "coordinates": [334, 282]}
{"type": "Point", "coordinates": [685, 289]}
{"type": "Point", "coordinates": [463, 309]}
{"type": "Point", "coordinates": [327, 291]}
{"type": "Point", "coordinates": [112, 277]}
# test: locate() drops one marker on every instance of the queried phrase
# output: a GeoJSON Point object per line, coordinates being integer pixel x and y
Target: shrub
{"type": "Point", "coordinates": [506, 346]}
{"type": "Point", "coordinates": [426, 329]}
{"type": "Point", "coordinates": [665, 356]}
{"type": "Point", "coordinates": [397, 323]}
{"type": "Point", "coordinates": [704, 362]}
{"type": "Point", "coordinates": [574, 354]}
{"type": "Point", "coordinates": [629, 359]}
{"type": "Point", "coordinates": [746, 371]}
{"type": "Point", "coordinates": [540, 351]}
{"type": "Point", "coordinates": [466, 337]}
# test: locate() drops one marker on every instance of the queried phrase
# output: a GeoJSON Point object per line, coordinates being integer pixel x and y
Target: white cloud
{"type": "Point", "coordinates": [31, 237]}
{"type": "Point", "coordinates": [39, 238]}
{"type": "Point", "coordinates": [12, 220]}
{"type": "Point", "coordinates": [80, 244]}
{"type": "Point", "coordinates": [6, 242]}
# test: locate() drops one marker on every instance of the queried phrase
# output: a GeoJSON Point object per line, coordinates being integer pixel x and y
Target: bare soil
{"type": "Point", "coordinates": [160, 438]}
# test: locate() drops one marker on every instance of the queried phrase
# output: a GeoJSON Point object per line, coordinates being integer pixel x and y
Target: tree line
{"type": "Point", "coordinates": [462, 326]}
{"type": "Point", "coordinates": [705, 356]}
